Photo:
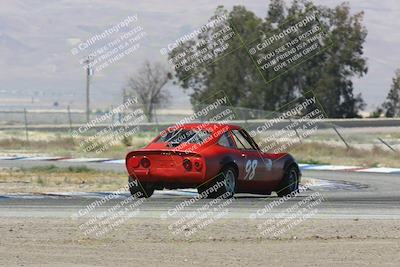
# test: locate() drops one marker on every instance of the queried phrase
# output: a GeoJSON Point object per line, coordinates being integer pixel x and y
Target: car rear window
{"type": "Point", "coordinates": [226, 141]}
{"type": "Point", "coordinates": [185, 136]}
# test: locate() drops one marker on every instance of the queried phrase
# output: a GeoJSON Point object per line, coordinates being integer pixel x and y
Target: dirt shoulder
{"type": "Point", "coordinates": [148, 242]}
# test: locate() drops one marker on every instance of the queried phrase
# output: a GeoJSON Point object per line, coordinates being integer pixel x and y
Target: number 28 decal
{"type": "Point", "coordinates": [250, 169]}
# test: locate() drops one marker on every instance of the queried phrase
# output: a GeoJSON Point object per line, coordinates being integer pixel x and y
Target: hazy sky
{"type": "Point", "coordinates": [36, 38]}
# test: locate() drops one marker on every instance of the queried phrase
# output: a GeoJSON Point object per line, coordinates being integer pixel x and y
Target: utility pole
{"type": "Point", "coordinates": [124, 96]}
{"type": "Point", "coordinates": [89, 72]}
{"type": "Point", "coordinates": [121, 115]}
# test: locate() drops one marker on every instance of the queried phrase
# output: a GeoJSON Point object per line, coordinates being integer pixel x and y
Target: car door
{"type": "Point", "coordinates": [251, 165]}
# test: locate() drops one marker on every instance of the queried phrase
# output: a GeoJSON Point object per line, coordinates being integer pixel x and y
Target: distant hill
{"type": "Point", "coordinates": [36, 37]}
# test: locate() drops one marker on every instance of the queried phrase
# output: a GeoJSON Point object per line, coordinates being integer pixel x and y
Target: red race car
{"type": "Point", "coordinates": [217, 159]}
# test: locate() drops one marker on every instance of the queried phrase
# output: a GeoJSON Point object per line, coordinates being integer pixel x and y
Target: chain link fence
{"type": "Point", "coordinates": [66, 116]}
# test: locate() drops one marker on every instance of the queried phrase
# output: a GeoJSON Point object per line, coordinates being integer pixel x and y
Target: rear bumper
{"type": "Point", "coordinates": [168, 175]}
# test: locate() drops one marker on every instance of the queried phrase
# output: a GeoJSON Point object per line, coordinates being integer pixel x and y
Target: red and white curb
{"type": "Point", "coordinates": [122, 161]}
{"type": "Point", "coordinates": [66, 159]}
{"type": "Point", "coordinates": [348, 168]}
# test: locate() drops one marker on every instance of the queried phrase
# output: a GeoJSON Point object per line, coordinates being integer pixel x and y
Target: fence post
{"type": "Point", "coordinates": [295, 130]}
{"type": "Point", "coordinates": [341, 137]}
{"type": "Point", "coordinates": [156, 119]}
{"type": "Point", "coordinates": [112, 115]}
{"type": "Point", "coordinates": [26, 126]}
{"type": "Point", "coordinates": [70, 122]}
{"type": "Point", "coordinates": [386, 144]}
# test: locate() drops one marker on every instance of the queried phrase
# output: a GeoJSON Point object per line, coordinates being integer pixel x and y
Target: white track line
{"type": "Point", "coordinates": [380, 170]}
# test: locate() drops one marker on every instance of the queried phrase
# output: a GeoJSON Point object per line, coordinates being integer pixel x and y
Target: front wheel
{"type": "Point", "coordinates": [223, 185]}
{"type": "Point", "coordinates": [290, 182]}
{"type": "Point", "coordinates": [140, 189]}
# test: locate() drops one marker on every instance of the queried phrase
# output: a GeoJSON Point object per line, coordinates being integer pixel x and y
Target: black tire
{"type": "Point", "coordinates": [140, 189]}
{"type": "Point", "coordinates": [224, 183]}
{"type": "Point", "coordinates": [290, 181]}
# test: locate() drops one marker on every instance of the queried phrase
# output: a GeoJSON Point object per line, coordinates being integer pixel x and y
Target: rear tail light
{"type": "Point", "coordinates": [187, 164]}
{"type": "Point", "coordinates": [198, 165]}
{"type": "Point", "coordinates": [134, 162]}
{"type": "Point", "coordinates": [145, 162]}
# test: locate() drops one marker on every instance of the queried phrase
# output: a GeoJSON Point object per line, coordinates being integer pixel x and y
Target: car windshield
{"type": "Point", "coordinates": [185, 136]}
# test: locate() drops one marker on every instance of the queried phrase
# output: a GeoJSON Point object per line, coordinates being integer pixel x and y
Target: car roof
{"type": "Point", "coordinates": [218, 129]}
{"type": "Point", "coordinates": [209, 126]}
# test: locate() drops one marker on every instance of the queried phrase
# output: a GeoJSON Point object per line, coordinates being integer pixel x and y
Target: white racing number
{"type": "Point", "coordinates": [250, 169]}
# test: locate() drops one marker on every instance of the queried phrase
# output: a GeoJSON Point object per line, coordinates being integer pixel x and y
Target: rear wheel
{"type": "Point", "coordinates": [224, 185]}
{"type": "Point", "coordinates": [140, 189]}
{"type": "Point", "coordinates": [290, 182]}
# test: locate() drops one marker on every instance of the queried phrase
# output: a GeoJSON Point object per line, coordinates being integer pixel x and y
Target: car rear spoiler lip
{"type": "Point", "coordinates": [161, 151]}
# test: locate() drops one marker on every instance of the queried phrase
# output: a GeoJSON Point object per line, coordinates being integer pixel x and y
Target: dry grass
{"type": "Point", "coordinates": [17, 143]}
{"type": "Point", "coordinates": [54, 179]}
{"type": "Point", "coordinates": [61, 144]}
{"type": "Point", "coordinates": [320, 153]}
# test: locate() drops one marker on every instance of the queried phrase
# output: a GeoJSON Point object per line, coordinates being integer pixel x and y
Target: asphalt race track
{"type": "Point", "coordinates": [344, 195]}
